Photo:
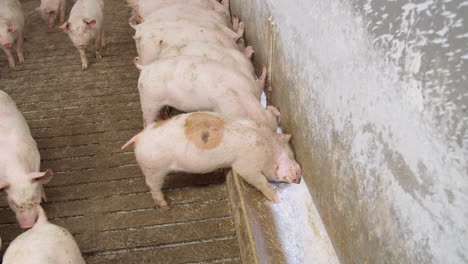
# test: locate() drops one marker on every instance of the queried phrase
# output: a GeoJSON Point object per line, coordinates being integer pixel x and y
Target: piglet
{"type": "Point", "coordinates": [84, 25]}
{"type": "Point", "coordinates": [11, 29]}
{"type": "Point", "coordinates": [50, 10]}
{"type": "Point", "coordinates": [205, 141]}
{"type": "Point", "coordinates": [19, 163]}
{"type": "Point", "coordinates": [45, 243]}
{"type": "Point", "coordinates": [191, 83]}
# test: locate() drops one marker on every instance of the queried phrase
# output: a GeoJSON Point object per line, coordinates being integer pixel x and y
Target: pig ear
{"type": "Point", "coordinates": [65, 27]}
{"type": "Point", "coordinates": [11, 26]}
{"type": "Point", "coordinates": [90, 23]}
{"type": "Point", "coordinates": [285, 137]}
{"type": "Point", "coordinates": [42, 177]}
{"type": "Point", "coordinates": [3, 185]}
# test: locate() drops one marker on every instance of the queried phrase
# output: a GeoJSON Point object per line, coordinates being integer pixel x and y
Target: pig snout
{"type": "Point", "coordinates": [7, 45]}
{"type": "Point", "coordinates": [82, 46]}
{"type": "Point", "coordinates": [26, 218]}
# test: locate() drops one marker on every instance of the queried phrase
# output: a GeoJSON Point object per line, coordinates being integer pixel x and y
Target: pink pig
{"type": "Point", "coordinates": [181, 11]}
{"type": "Point", "coordinates": [148, 7]}
{"type": "Point", "coordinates": [11, 29]}
{"type": "Point", "coordinates": [190, 83]}
{"type": "Point", "coordinates": [151, 42]}
{"type": "Point", "coordinates": [44, 243]}
{"type": "Point", "coordinates": [205, 141]}
{"type": "Point", "coordinates": [84, 25]}
{"type": "Point", "coordinates": [227, 56]}
{"type": "Point", "coordinates": [19, 163]}
{"type": "Point", "coordinates": [50, 10]}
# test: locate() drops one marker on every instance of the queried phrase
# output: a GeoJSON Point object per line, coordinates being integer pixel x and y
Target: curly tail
{"type": "Point", "coordinates": [131, 141]}
{"type": "Point", "coordinates": [41, 216]}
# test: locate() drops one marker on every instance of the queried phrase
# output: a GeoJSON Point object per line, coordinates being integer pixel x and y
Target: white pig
{"type": "Point", "coordinates": [152, 41]}
{"type": "Point", "coordinates": [45, 243]}
{"type": "Point", "coordinates": [11, 29]}
{"type": "Point", "coordinates": [227, 56]}
{"type": "Point", "coordinates": [50, 10]}
{"type": "Point", "coordinates": [179, 11]}
{"type": "Point", "coordinates": [205, 141]}
{"type": "Point", "coordinates": [148, 7]}
{"type": "Point", "coordinates": [19, 163]}
{"type": "Point", "coordinates": [84, 25]}
{"type": "Point", "coordinates": [191, 84]}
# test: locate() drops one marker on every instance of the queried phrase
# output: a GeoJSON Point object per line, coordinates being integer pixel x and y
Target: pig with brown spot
{"type": "Point", "coordinates": [202, 142]}
{"type": "Point", "coordinates": [191, 83]}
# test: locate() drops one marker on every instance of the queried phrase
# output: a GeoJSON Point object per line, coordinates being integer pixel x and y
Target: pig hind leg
{"type": "Point", "coordinates": [151, 113]}
{"type": "Point", "coordinates": [103, 40]}
{"type": "Point", "coordinates": [97, 46]}
{"type": "Point", "coordinates": [255, 177]}
{"type": "Point", "coordinates": [154, 180]}
{"type": "Point", "coordinates": [248, 52]}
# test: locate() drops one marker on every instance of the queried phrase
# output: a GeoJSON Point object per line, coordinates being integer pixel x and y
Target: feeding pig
{"type": "Point", "coordinates": [19, 163]}
{"type": "Point", "coordinates": [148, 7]}
{"type": "Point", "coordinates": [50, 10]}
{"type": "Point", "coordinates": [230, 57]}
{"type": "Point", "coordinates": [191, 84]}
{"type": "Point", "coordinates": [45, 243]}
{"type": "Point", "coordinates": [11, 29]}
{"type": "Point", "coordinates": [84, 25]}
{"type": "Point", "coordinates": [151, 42]}
{"type": "Point", "coordinates": [205, 141]}
{"type": "Point", "coordinates": [182, 11]}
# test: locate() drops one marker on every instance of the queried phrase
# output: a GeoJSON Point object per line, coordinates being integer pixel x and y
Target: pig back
{"type": "Point", "coordinates": [44, 244]}
{"type": "Point", "coordinates": [180, 11]}
{"type": "Point", "coordinates": [10, 117]}
{"type": "Point", "coordinates": [10, 10]}
{"type": "Point", "coordinates": [91, 9]}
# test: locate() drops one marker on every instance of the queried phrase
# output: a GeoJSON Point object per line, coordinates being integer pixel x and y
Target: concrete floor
{"type": "Point", "coordinates": [79, 120]}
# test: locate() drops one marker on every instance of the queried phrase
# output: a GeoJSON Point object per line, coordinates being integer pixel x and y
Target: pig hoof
{"type": "Point", "coordinates": [84, 66]}
{"type": "Point", "coordinates": [163, 205]}
{"type": "Point", "coordinates": [98, 57]}
{"type": "Point", "coordinates": [12, 65]}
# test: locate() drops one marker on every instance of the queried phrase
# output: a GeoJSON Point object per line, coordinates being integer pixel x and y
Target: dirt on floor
{"type": "Point", "coordinates": [80, 119]}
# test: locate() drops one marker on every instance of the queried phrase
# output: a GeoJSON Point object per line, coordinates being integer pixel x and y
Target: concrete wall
{"type": "Point", "coordinates": [375, 94]}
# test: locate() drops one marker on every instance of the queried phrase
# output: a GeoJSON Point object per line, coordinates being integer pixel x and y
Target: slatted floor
{"type": "Point", "coordinates": [79, 120]}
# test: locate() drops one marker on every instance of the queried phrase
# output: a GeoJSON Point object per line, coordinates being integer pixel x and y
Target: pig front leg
{"type": "Point", "coordinates": [84, 60]}
{"type": "Point", "coordinates": [19, 47]}
{"type": "Point", "coordinates": [154, 179]}
{"type": "Point", "coordinates": [62, 12]}
{"type": "Point", "coordinates": [9, 55]}
{"type": "Point", "coordinates": [256, 179]}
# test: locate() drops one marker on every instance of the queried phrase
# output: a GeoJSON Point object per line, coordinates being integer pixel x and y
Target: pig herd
{"type": "Point", "coordinates": [191, 57]}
